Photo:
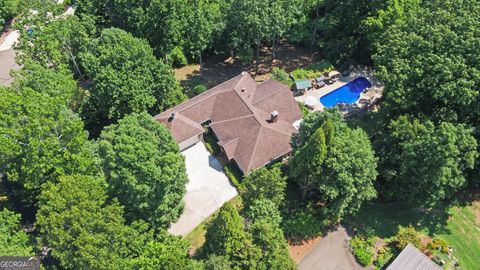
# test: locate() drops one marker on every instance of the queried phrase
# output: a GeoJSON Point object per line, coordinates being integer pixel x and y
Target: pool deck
{"type": "Point", "coordinates": [317, 93]}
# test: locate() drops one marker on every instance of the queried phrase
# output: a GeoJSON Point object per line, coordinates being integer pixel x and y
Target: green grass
{"type": "Point", "coordinates": [456, 226]}
{"type": "Point", "coordinates": [464, 236]}
{"type": "Point", "coordinates": [313, 71]}
{"type": "Point", "coordinates": [196, 238]}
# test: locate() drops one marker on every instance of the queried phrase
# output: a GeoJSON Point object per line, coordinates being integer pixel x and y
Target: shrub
{"type": "Point", "coordinates": [281, 76]}
{"type": "Point", "coordinates": [303, 108]}
{"type": "Point", "coordinates": [438, 244]}
{"type": "Point", "coordinates": [363, 248]}
{"type": "Point", "coordinates": [199, 89]}
{"type": "Point", "coordinates": [234, 174]}
{"type": "Point", "coordinates": [177, 58]}
{"type": "Point", "coordinates": [313, 71]}
{"type": "Point", "coordinates": [304, 222]}
{"type": "Point", "coordinates": [383, 258]}
{"type": "Point", "coordinates": [211, 144]}
{"type": "Point", "coordinates": [406, 235]}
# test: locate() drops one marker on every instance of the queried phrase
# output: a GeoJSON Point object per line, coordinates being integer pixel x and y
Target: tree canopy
{"type": "Point", "coordinates": [40, 140]}
{"type": "Point", "coordinates": [424, 163]}
{"type": "Point", "coordinates": [83, 231]}
{"type": "Point", "coordinates": [126, 78]}
{"type": "Point", "coordinates": [13, 239]}
{"type": "Point", "coordinates": [144, 169]}
{"type": "Point", "coordinates": [430, 64]}
{"type": "Point", "coordinates": [264, 184]}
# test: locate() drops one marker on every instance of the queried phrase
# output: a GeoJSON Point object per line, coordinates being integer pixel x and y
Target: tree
{"type": "Point", "coordinates": [215, 262]}
{"type": "Point", "coordinates": [162, 23]}
{"type": "Point", "coordinates": [40, 140]}
{"type": "Point", "coordinates": [226, 236]}
{"type": "Point", "coordinates": [164, 252]}
{"type": "Point", "coordinates": [54, 44]}
{"type": "Point", "coordinates": [264, 184]}
{"type": "Point", "coordinates": [58, 84]}
{"type": "Point", "coordinates": [306, 165]}
{"type": "Point", "coordinates": [13, 240]}
{"type": "Point", "coordinates": [144, 169]}
{"type": "Point", "coordinates": [312, 122]}
{"type": "Point", "coordinates": [424, 163]}
{"type": "Point", "coordinates": [424, 71]}
{"type": "Point", "coordinates": [251, 22]}
{"type": "Point", "coordinates": [264, 209]}
{"type": "Point", "coordinates": [205, 19]}
{"type": "Point", "coordinates": [349, 173]}
{"type": "Point", "coordinates": [83, 231]}
{"type": "Point", "coordinates": [126, 78]}
{"type": "Point", "coordinates": [8, 9]}
{"type": "Point", "coordinates": [269, 238]}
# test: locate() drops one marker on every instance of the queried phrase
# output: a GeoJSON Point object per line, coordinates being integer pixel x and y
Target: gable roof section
{"type": "Point", "coordinates": [412, 259]}
{"type": "Point", "coordinates": [240, 112]}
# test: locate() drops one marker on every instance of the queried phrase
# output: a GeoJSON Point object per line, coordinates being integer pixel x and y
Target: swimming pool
{"type": "Point", "coordinates": [349, 93]}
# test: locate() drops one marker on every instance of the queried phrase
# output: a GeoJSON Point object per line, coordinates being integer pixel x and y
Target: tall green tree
{"type": "Point", "coordinates": [430, 64]}
{"type": "Point", "coordinates": [264, 184]}
{"type": "Point", "coordinates": [164, 252]}
{"type": "Point", "coordinates": [226, 236]}
{"type": "Point", "coordinates": [269, 238]}
{"type": "Point", "coordinates": [13, 239]}
{"type": "Point", "coordinates": [252, 22]}
{"type": "Point", "coordinates": [306, 164]}
{"type": "Point", "coordinates": [424, 163]}
{"type": "Point", "coordinates": [8, 9]}
{"type": "Point", "coordinates": [349, 173]}
{"type": "Point", "coordinates": [162, 23]}
{"type": "Point", "coordinates": [82, 230]}
{"type": "Point", "coordinates": [144, 169]}
{"type": "Point", "coordinates": [126, 78]}
{"type": "Point", "coordinates": [54, 44]}
{"type": "Point", "coordinates": [40, 140]}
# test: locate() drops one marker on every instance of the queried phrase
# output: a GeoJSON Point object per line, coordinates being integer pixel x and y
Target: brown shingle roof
{"type": "Point", "coordinates": [240, 113]}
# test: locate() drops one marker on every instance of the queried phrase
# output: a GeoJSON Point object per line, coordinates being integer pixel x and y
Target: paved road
{"type": "Point", "coordinates": [7, 63]}
{"type": "Point", "coordinates": [331, 253]}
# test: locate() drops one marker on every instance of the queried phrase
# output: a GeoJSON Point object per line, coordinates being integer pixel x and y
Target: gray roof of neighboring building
{"type": "Point", "coordinates": [412, 259]}
{"type": "Point", "coordinates": [7, 63]}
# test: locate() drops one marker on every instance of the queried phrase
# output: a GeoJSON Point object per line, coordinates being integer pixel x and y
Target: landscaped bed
{"type": "Point", "coordinates": [456, 226]}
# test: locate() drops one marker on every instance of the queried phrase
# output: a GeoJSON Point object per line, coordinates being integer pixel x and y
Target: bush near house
{"type": "Point", "coordinates": [234, 174]}
{"type": "Point", "coordinates": [363, 247]}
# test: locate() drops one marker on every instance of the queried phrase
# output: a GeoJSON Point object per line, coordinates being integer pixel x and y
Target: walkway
{"type": "Point", "coordinates": [331, 253]}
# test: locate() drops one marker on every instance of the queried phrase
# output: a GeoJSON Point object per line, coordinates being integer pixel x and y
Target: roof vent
{"type": "Point", "coordinates": [274, 117]}
{"type": "Point", "coordinates": [244, 73]}
{"type": "Point", "coordinates": [243, 89]}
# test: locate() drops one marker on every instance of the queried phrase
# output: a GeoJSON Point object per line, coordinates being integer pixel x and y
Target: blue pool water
{"type": "Point", "coordinates": [349, 93]}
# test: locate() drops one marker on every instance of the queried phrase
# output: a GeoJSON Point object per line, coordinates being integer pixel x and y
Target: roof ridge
{"type": "Point", "coordinates": [231, 119]}
{"type": "Point", "coordinates": [254, 147]}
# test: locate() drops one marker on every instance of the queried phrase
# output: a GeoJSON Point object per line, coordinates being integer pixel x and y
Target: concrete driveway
{"type": "Point", "coordinates": [207, 190]}
{"type": "Point", "coordinates": [331, 253]}
{"type": "Point", "coordinates": [7, 63]}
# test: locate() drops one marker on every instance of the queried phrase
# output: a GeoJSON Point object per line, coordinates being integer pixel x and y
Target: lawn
{"type": "Point", "coordinates": [458, 226]}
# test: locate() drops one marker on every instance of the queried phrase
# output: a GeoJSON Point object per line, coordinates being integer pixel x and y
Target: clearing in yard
{"type": "Point", "coordinates": [457, 226]}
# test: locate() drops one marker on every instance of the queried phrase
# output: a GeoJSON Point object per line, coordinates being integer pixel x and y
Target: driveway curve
{"type": "Point", "coordinates": [331, 253]}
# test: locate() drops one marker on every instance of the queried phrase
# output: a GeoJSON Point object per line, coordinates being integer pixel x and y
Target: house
{"type": "Point", "coordinates": [412, 259]}
{"type": "Point", "coordinates": [252, 122]}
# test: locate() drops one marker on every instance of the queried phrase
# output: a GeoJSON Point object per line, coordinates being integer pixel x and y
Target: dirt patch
{"type": "Point", "coordinates": [219, 68]}
{"type": "Point", "coordinates": [298, 249]}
